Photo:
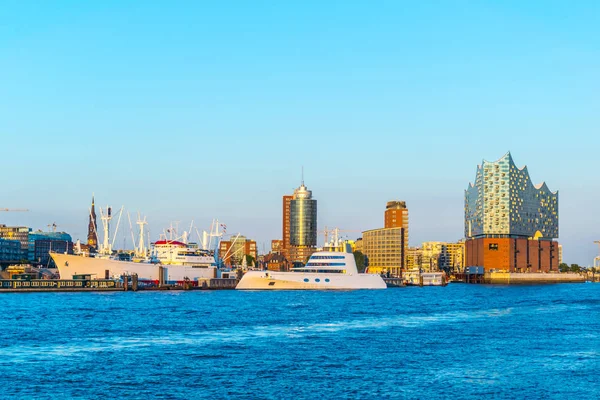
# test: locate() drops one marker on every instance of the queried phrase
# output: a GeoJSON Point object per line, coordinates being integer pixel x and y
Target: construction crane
{"type": "Point", "coordinates": [14, 209]}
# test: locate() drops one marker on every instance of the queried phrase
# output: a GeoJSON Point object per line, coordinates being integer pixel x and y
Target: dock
{"type": "Point", "coordinates": [393, 282]}
{"type": "Point", "coordinates": [518, 278]}
{"type": "Point", "coordinates": [128, 283]}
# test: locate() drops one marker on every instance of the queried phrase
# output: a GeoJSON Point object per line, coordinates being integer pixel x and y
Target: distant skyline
{"type": "Point", "coordinates": [198, 110]}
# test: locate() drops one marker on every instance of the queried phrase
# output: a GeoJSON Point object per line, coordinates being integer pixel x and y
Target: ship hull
{"type": "Point", "coordinates": [100, 268]}
{"type": "Point", "coordinates": [268, 280]}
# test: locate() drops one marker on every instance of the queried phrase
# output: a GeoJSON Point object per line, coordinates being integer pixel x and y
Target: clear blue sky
{"type": "Point", "coordinates": [196, 109]}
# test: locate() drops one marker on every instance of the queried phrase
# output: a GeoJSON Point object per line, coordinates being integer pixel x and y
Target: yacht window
{"type": "Point", "coordinates": [305, 279]}
{"type": "Point", "coordinates": [271, 283]}
{"type": "Point", "coordinates": [327, 257]}
{"type": "Point", "coordinates": [317, 280]}
{"type": "Point", "coordinates": [326, 279]}
{"type": "Point", "coordinates": [325, 264]}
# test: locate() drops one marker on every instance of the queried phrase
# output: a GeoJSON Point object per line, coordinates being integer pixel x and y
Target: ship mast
{"type": "Point", "coordinates": [141, 248]}
{"type": "Point", "coordinates": [105, 248]}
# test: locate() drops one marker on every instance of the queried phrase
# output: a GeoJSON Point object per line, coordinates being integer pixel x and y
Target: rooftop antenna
{"type": "Point", "coordinates": [303, 175]}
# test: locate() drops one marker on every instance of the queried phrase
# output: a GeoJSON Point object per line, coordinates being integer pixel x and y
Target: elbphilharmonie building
{"type": "Point", "coordinates": [509, 221]}
{"type": "Point", "coordinates": [504, 202]}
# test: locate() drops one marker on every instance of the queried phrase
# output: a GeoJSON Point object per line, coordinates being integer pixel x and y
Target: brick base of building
{"type": "Point", "coordinates": [512, 254]}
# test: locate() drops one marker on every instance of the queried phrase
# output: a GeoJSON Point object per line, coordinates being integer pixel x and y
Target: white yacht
{"type": "Point", "coordinates": [324, 271]}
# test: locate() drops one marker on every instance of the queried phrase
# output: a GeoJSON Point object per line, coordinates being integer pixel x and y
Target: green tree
{"type": "Point", "coordinates": [361, 261]}
{"type": "Point", "coordinates": [563, 267]}
{"type": "Point", "coordinates": [250, 260]}
{"type": "Point", "coordinates": [575, 268]}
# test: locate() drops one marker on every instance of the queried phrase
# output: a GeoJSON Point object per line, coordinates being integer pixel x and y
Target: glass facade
{"type": "Point", "coordinates": [504, 202]}
{"type": "Point", "coordinates": [10, 251]}
{"type": "Point", "coordinates": [18, 233]}
{"type": "Point", "coordinates": [48, 236]}
{"type": "Point", "coordinates": [303, 218]}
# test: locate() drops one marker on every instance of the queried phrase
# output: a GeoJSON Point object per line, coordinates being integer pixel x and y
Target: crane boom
{"type": "Point", "coordinates": [14, 209]}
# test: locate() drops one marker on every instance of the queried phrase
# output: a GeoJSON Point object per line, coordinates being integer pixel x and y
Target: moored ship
{"type": "Point", "coordinates": [178, 261]}
{"type": "Point", "coordinates": [324, 271]}
{"type": "Point", "coordinates": [169, 260]}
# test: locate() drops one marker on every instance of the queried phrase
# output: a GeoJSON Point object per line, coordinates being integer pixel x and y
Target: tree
{"type": "Point", "coordinates": [361, 261]}
{"type": "Point", "coordinates": [575, 268]}
{"type": "Point", "coordinates": [563, 267]}
{"type": "Point", "coordinates": [250, 260]}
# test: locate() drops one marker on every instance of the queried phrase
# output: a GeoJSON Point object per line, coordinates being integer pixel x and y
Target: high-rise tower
{"type": "Point", "coordinates": [387, 247]}
{"type": "Point", "coordinates": [92, 238]}
{"type": "Point", "coordinates": [303, 225]}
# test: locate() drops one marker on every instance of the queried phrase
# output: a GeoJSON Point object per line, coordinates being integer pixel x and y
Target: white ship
{"type": "Point", "coordinates": [179, 260]}
{"type": "Point", "coordinates": [108, 268]}
{"type": "Point", "coordinates": [324, 271]}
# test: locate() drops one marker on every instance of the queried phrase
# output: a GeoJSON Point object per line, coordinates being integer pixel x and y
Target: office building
{"type": "Point", "coordinates": [285, 245]}
{"type": "Point", "coordinates": [384, 250]}
{"type": "Point", "coordinates": [43, 247]}
{"type": "Point", "coordinates": [58, 242]}
{"type": "Point", "coordinates": [10, 251]}
{"type": "Point", "coordinates": [443, 256]}
{"type": "Point", "coordinates": [302, 225]}
{"type": "Point", "coordinates": [18, 233]}
{"type": "Point", "coordinates": [414, 258]}
{"type": "Point", "coordinates": [387, 248]}
{"type": "Point", "coordinates": [277, 246]}
{"type": "Point", "coordinates": [509, 221]}
{"type": "Point", "coordinates": [233, 251]}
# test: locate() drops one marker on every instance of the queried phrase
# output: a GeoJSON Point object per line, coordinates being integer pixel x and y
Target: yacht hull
{"type": "Point", "coordinates": [101, 268]}
{"type": "Point", "coordinates": [269, 280]}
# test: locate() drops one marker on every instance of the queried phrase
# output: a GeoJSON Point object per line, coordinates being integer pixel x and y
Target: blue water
{"type": "Point", "coordinates": [461, 341]}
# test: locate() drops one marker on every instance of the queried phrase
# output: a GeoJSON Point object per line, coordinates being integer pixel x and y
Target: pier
{"type": "Point", "coordinates": [128, 283]}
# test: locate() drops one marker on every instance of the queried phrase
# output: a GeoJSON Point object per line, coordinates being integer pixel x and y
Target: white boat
{"type": "Point", "coordinates": [324, 271]}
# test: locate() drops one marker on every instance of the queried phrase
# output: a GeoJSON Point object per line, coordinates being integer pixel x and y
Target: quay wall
{"type": "Point", "coordinates": [512, 278]}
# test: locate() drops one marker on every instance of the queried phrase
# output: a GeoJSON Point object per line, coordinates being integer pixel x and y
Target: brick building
{"type": "Point", "coordinates": [510, 223]}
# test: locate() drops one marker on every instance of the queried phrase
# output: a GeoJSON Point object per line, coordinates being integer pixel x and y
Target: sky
{"type": "Point", "coordinates": [194, 110]}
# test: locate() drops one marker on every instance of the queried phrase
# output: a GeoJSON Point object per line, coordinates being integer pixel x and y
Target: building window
{"type": "Point", "coordinates": [493, 246]}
